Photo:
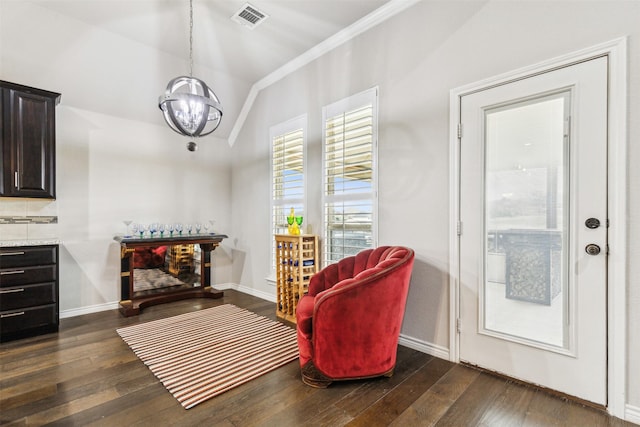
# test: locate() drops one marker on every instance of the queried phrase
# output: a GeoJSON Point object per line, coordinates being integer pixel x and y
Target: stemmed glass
{"type": "Point", "coordinates": [153, 227]}
{"type": "Point", "coordinates": [179, 228]}
{"type": "Point", "coordinates": [161, 230]}
{"type": "Point", "coordinates": [127, 222]}
{"type": "Point", "coordinates": [141, 229]}
{"type": "Point", "coordinates": [198, 227]}
{"type": "Point", "coordinates": [134, 228]}
{"type": "Point", "coordinates": [189, 228]}
{"type": "Point", "coordinates": [170, 228]}
{"type": "Point", "coordinates": [299, 222]}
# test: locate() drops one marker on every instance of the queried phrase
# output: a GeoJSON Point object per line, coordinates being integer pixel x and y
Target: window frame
{"type": "Point", "coordinates": [347, 105]}
{"type": "Point", "coordinates": [275, 131]}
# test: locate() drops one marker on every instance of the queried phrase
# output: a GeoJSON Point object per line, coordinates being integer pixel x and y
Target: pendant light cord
{"type": "Point", "coordinates": [190, 38]}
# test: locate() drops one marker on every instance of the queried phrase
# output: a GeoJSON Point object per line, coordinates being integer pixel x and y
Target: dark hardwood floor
{"type": "Point", "coordinates": [86, 375]}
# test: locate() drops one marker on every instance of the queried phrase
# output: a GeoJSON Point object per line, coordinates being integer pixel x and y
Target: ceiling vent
{"type": "Point", "coordinates": [249, 16]}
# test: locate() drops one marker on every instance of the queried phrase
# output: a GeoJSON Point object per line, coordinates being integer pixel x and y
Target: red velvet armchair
{"type": "Point", "coordinates": [349, 322]}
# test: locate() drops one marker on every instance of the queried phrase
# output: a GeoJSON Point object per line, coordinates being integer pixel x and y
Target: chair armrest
{"type": "Point", "coordinates": [304, 313]}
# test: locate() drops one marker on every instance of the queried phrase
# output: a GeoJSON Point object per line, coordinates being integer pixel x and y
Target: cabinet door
{"type": "Point", "coordinates": [28, 144]}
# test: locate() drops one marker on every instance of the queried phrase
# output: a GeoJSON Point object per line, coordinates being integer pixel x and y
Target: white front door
{"type": "Point", "coordinates": [533, 238]}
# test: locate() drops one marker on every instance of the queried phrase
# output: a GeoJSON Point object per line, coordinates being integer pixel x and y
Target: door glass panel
{"type": "Point", "coordinates": [526, 221]}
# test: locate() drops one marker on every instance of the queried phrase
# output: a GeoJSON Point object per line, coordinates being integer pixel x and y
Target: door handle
{"type": "Point", "coordinates": [11, 291]}
{"type": "Point", "coordinates": [2, 273]}
{"type": "Point", "coordinates": [11, 253]}
{"type": "Point", "coordinates": [19, 313]}
{"type": "Point", "coordinates": [592, 249]}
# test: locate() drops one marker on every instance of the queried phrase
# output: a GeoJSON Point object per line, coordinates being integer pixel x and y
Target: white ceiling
{"type": "Point", "coordinates": [239, 56]}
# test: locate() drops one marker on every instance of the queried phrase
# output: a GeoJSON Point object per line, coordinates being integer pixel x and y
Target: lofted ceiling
{"type": "Point", "coordinates": [236, 55]}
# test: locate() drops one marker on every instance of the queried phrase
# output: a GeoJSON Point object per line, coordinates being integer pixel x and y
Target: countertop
{"type": "Point", "coordinates": [29, 242]}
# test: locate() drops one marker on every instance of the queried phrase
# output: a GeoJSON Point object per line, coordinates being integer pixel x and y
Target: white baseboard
{"type": "Point", "coordinates": [247, 290]}
{"type": "Point", "coordinates": [632, 414]}
{"type": "Point", "coordinates": [407, 341]}
{"type": "Point", "coordinates": [72, 312]}
{"type": "Point", "coordinates": [424, 347]}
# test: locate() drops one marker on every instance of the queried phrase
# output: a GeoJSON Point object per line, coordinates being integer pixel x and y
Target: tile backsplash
{"type": "Point", "coordinates": [12, 219]}
{"type": "Point", "coordinates": [27, 218]}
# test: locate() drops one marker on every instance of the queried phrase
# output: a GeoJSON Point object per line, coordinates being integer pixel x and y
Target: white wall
{"type": "Point", "coordinates": [112, 164]}
{"type": "Point", "coordinates": [416, 58]}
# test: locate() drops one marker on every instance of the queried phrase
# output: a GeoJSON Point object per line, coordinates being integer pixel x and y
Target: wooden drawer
{"type": "Point", "coordinates": [27, 275]}
{"type": "Point", "coordinates": [28, 318]}
{"type": "Point", "coordinates": [27, 296]}
{"type": "Point", "coordinates": [28, 256]}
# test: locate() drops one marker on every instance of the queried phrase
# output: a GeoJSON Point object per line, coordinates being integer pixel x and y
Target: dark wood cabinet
{"type": "Point", "coordinates": [27, 128]}
{"type": "Point", "coordinates": [28, 291]}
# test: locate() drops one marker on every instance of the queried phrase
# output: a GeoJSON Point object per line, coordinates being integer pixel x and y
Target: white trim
{"type": "Point", "coordinates": [454, 217]}
{"type": "Point", "coordinates": [617, 190]}
{"type": "Point", "coordinates": [632, 414]}
{"type": "Point", "coordinates": [73, 312]}
{"type": "Point", "coordinates": [405, 340]}
{"type": "Point", "coordinates": [247, 290]}
{"type": "Point", "coordinates": [616, 50]}
{"type": "Point", "coordinates": [424, 346]}
{"type": "Point", "coordinates": [376, 17]}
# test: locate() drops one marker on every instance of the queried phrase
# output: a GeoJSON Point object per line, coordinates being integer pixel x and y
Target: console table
{"type": "Point", "coordinates": [132, 302]}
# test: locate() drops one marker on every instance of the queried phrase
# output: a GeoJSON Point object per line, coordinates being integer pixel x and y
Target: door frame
{"type": "Point", "coordinates": [616, 51]}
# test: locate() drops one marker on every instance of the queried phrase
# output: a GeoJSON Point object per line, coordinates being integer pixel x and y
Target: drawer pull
{"type": "Point", "coordinates": [11, 253]}
{"type": "Point", "coordinates": [19, 313]}
{"type": "Point", "coordinates": [4, 273]}
{"type": "Point", "coordinates": [11, 291]}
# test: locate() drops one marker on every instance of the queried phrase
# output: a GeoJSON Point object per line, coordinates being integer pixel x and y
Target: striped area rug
{"type": "Point", "coordinates": [202, 354]}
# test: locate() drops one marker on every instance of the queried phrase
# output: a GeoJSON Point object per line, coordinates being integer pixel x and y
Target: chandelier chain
{"type": "Point", "coordinates": [190, 38]}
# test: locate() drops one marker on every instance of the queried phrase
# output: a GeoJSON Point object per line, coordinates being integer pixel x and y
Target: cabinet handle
{"type": "Point", "coordinates": [3, 273]}
{"type": "Point", "coordinates": [11, 253]}
{"type": "Point", "coordinates": [11, 291]}
{"type": "Point", "coordinates": [19, 313]}
{"type": "Point", "coordinates": [15, 174]}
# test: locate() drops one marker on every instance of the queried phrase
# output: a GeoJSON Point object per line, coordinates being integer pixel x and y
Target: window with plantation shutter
{"type": "Point", "coordinates": [287, 174]}
{"type": "Point", "coordinates": [349, 176]}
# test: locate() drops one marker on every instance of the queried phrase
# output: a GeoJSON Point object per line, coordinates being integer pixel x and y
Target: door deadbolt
{"type": "Point", "coordinates": [592, 249]}
{"type": "Point", "coordinates": [592, 223]}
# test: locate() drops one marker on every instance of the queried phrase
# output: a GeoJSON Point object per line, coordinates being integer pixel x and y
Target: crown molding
{"type": "Point", "coordinates": [365, 23]}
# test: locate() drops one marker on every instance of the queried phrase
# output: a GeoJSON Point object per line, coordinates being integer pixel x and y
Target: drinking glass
{"type": "Point", "coordinates": [179, 228]}
{"type": "Point", "coordinates": [161, 229]}
{"type": "Point", "coordinates": [153, 227]}
{"type": "Point", "coordinates": [170, 228]}
{"type": "Point", "coordinates": [189, 228]}
{"type": "Point", "coordinates": [198, 227]}
{"type": "Point", "coordinates": [127, 222]}
{"type": "Point", "coordinates": [134, 229]}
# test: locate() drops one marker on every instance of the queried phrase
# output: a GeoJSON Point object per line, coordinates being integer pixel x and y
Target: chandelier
{"type": "Point", "coordinates": [189, 106]}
